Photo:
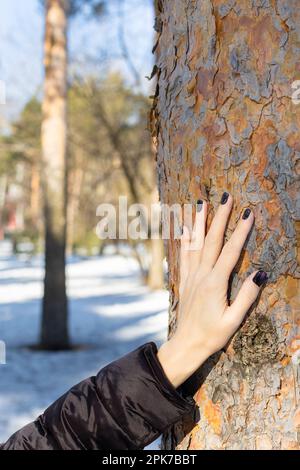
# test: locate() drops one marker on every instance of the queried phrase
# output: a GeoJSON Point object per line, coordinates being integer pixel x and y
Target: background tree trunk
{"type": "Point", "coordinates": [54, 334]}
{"type": "Point", "coordinates": [223, 119]}
{"type": "Point", "coordinates": [35, 213]}
{"type": "Point", "coordinates": [75, 180]}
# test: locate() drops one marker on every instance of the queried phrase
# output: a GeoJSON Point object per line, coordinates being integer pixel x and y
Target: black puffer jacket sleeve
{"type": "Point", "coordinates": [126, 406]}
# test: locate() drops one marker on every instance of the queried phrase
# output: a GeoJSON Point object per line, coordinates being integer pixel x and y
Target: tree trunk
{"type": "Point", "coordinates": [35, 195]}
{"type": "Point", "coordinates": [224, 120]}
{"type": "Point", "coordinates": [54, 334]}
{"type": "Point", "coordinates": [76, 176]}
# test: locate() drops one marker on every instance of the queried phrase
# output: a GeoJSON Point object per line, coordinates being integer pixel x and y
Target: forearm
{"type": "Point", "coordinates": [179, 362]}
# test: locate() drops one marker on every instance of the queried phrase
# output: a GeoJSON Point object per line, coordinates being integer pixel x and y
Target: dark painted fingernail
{"type": "Point", "coordinates": [260, 278]}
{"type": "Point", "coordinates": [199, 205]}
{"type": "Point", "coordinates": [246, 213]}
{"type": "Point", "coordinates": [224, 198]}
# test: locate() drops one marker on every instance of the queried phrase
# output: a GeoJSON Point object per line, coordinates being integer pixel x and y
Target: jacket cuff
{"type": "Point", "coordinates": [146, 402]}
{"type": "Point", "coordinates": [184, 403]}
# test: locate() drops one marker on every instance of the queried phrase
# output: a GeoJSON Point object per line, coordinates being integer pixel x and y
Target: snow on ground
{"type": "Point", "coordinates": [110, 311]}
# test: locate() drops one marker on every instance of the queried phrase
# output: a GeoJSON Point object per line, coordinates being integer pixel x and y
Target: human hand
{"type": "Point", "coordinates": [206, 321]}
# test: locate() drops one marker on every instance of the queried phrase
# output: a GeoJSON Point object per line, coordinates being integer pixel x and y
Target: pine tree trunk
{"type": "Point", "coordinates": [54, 334]}
{"type": "Point", "coordinates": [35, 196]}
{"type": "Point", "coordinates": [75, 180]}
{"type": "Point", "coordinates": [224, 120]}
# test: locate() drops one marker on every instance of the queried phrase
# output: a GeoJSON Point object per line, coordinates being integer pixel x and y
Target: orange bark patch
{"type": "Point", "coordinates": [204, 82]}
{"type": "Point", "coordinates": [273, 298]}
{"type": "Point", "coordinates": [287, 327]}
{"type": "Point", "coordinates": [211, 411]}
{"type": "Point", "coordinates": [291, 288]}
{"type": "Point", "coordinates": [274, 221]}
{"type": "Point", "coordinates": [295, 345]}
{"type": "Point", "coordinates": [261, 36]}
{"type": "Point", "coordinates": [212, 414]}
{"type": "Point", "coordinates": [285, 361]}
{"type": "Point", "coordinates": [296, 419]}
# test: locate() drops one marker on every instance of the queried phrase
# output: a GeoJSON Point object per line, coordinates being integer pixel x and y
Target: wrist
{"type": "Point", "coordinates": [178, 362]}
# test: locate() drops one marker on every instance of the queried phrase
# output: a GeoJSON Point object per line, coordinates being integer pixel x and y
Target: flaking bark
{"type": "Point", "coordinates": [223, 119]}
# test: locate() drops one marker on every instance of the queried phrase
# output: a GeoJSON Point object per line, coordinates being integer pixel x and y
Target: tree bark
{"type": "Point", "coordinates": [224, 120]}
{"type": "Point", "coordinates": [54, 333]}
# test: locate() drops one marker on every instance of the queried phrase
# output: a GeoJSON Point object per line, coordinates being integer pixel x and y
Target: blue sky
{"type": "Point", "coordinates": [21, 37]}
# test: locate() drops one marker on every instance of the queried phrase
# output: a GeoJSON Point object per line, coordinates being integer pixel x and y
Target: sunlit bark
{"type": "Point", "coordinates": [223, 120]}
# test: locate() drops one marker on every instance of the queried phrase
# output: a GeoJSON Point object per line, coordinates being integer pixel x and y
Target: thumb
{"type": "Point", "coordinates": [246, 296]}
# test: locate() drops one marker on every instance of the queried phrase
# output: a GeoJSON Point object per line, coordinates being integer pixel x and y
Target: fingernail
{"type": "Point", "coordinates": [260, 278]}
{"type": "Point", "coordinates": [199, 205]}
{"type": "Point", "coordinates": [224, 198]}
{"type": "Point", "coordinates": [246, 214]}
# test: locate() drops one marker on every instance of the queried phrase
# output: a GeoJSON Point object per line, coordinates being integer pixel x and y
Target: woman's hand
{"type": "Point", "coordinates": [205, 320]}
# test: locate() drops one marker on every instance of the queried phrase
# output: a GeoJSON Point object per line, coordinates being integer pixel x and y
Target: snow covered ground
{"type": "Point", "coordinates": [110, 311]}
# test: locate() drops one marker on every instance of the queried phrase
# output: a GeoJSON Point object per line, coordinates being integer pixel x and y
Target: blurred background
{"type": "Point", "coordinates": [58, 331]}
